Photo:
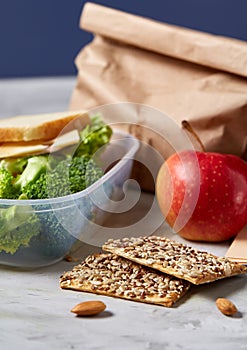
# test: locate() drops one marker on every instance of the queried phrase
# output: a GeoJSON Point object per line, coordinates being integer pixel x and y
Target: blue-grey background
{"type": "Point", "coordinates": [42, 37]}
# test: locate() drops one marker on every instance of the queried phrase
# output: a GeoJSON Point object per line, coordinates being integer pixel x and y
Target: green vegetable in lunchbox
{"type": "Point", "coordinates": [7, 189]}
{"type": "Point", "coordinates": [93, 136]}
{"type": "Point", "coordinates": [18, 224]}
{"type": "Point", "coordinates": [71, 175]}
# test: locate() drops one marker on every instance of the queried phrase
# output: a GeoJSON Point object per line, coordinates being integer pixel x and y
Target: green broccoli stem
{"type": "Point", "coordinates": [15, 166]}
{"type": "Point", "coordinates": [36, 165]}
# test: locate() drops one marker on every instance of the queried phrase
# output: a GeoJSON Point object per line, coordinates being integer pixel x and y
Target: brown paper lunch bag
{"type": "Point", "coordinates": [183, 73]}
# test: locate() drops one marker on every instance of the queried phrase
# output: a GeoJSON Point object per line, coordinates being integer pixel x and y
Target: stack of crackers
{"type": "Point", "coordinates": [148, 269]}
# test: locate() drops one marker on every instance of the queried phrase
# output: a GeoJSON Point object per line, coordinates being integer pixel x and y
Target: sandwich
{"type": "Point", "coordinates": [33, 133]}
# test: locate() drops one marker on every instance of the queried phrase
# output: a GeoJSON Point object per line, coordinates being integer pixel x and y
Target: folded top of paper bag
{"type": "Point", "coordinates": [187, 44]}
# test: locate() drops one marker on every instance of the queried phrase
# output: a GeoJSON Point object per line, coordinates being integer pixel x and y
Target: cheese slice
{"type": "Point", "coordinates": [65, 140]}
{"type": "Point", "coordinates": [18, 149]}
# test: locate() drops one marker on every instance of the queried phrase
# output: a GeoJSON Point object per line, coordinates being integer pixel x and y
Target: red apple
{"type": "Point", "coordinates": [203, 196]}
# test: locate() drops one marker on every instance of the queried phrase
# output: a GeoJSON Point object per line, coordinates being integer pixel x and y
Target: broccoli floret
{"type": "Point", "coordinates": [93, 136]}
{"type": "Point", "coordinates": [36, 165]}
{"type": "Point", "coordinates": [18, 224]}
{"type": "Point", "coordinates": [71, 175]}
{"type": "Point", "coordinates": [37, 189]}
{"type": "Point", "coordinates": [17, 173]}
{"type": "Point", "coordinates": [7, 189]}
{"type": "Point", "coordinates": [83, 172]}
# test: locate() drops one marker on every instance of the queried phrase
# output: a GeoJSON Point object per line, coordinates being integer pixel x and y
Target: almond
{"type": "Point", "coordinates": [226, 306]}
{"type": "Point", "coordinates": [89, 308]}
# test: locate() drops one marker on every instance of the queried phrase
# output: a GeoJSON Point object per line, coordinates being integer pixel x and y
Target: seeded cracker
{"type": "Point", "coordinates": [112, 275]}
{"type": "Point", "coordinates": [175, 258]}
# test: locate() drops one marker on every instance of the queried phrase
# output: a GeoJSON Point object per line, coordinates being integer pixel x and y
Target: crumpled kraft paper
{"type": "Point", "coordinates": [186, 74]}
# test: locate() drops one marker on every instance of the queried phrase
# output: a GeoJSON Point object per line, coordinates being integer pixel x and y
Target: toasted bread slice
{"type": "Point", "coordinates": [175, 258]}
{"type": "Point", "coordinates": [41, 127]}
{"type": "Point", "coordinates": [114, 276]}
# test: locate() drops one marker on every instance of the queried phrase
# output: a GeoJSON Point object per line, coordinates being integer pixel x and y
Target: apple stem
{"type": "Point", "coordinates": [186, 125]}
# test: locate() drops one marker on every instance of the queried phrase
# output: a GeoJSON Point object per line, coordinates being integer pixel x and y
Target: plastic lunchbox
{"type": "Point", "coordinates": [65, 221]}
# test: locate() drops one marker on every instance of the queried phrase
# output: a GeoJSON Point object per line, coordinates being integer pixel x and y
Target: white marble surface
{"type": "Point", "coordinates": [35, 312]}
